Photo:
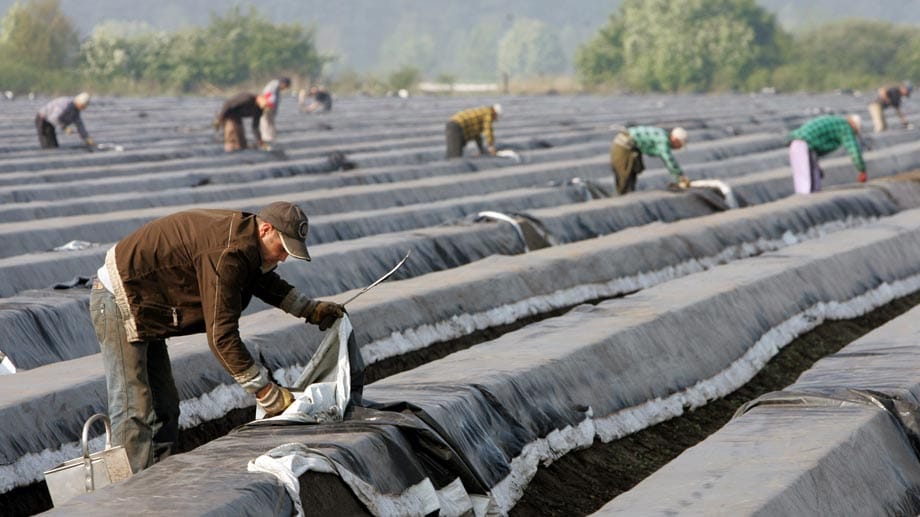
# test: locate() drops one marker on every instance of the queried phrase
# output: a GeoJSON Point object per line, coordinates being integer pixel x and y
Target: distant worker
{"type": "Point", "coordinates": [272, 95]}
{"type": "Point", "coordinates": [190, 272]}
{"type": "Point", "coordinates": [816, 138]}
{"type": "Point", "coordinates": [631, 143]}
{"type": "Point", "coordinates": [471, 124]}
{"type": "Point", "coordinates": [62, 112]}
{"type": "Point", "coordinates": [230, 119]}
{"type": "Point", "coordinates": [322, 100]}
{"type": "Point", "coordinates": [892, 97]}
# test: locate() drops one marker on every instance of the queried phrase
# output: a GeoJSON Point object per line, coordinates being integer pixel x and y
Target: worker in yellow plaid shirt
{"type": "Point", "coordinates": [471, 124]}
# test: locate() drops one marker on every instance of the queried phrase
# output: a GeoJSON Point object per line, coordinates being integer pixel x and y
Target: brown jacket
{"type": "Point", "coordinates": [196, 271]}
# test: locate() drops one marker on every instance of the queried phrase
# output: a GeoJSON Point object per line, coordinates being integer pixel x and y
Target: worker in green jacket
{"type": "Point", "coordinates": [818, 137]}
{"type": "Point", "coordinates": [631, 143]}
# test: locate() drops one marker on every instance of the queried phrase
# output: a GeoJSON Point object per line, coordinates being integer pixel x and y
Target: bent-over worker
{"type": "Point", "coordinates": [818, 137]}
{"type": "Point", "coordinates": [190, 272]}
{"type": "Point", "coordinates": [61, 112]}
{"type": "Point", "coordinates": [471, 124]}
{"type": "Point", "coordinates": [631, 143]}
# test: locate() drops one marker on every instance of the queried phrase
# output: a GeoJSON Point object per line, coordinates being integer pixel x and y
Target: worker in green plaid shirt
{"type": "Point", "coordinates": [631, 143]}
{"type": "Point", "coordinates": [818, 137]}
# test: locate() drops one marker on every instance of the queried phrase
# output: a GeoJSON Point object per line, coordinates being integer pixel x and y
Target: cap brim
{"type": "Point", "coordinates": [294, 247]}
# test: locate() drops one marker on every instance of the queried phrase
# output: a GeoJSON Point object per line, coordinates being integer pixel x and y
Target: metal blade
{"type": "Point", "coordinates": [381, 279]}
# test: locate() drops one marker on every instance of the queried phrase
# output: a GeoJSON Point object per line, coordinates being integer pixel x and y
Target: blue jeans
{"type": "Point", "coordinates": [143, 399]}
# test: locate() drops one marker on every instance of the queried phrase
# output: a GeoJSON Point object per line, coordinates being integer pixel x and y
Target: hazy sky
{"type": "Point", "coordinates": [170, 14]}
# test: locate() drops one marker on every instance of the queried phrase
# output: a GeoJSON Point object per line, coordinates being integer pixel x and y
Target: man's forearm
{"type": "Point", "coordinates": [297, 303]}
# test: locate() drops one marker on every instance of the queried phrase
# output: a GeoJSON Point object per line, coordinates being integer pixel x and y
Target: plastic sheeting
{"type": "Point", "coordinates": [49, 326]}
{"type": "Point", "coordinates": [532, 395]}
{"type": "Point", "coordinates": [605, 267]}
{"type": "Point", "coordinates": [45, 327]}
{"type": "Point", "coordinates": [233, 181]}
{"type": "Point", "coordinates": [342, 266]}
{"type": "Point", "coordinates": [792, 461]}
{"type": "Point", "coordinates": [203, 483]}
{"type": "Point", "coordinates": [30, 272]}
{"type": "Point", "coordinates": [49, 233]}
{"type": "Point", "coordinates": [842, 437]}
{"type": "Point", "coordinates": [53, 231]}
{"type": "Point", "coordinates": [276, 169]}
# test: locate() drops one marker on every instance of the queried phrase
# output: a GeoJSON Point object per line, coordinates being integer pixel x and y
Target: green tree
{"type": "Point", "coordinates": [38, 34]}
{"type": "Point", "coordinates": [672, 45]}
{"type": "Point", "coordinates": [404, 78]}
{"type": "Point", "coordinates": [233, 48]}
{"type": "Point", "coordinates": [119, 49]}
{"type": "Point", "coordinates": [529, 49]}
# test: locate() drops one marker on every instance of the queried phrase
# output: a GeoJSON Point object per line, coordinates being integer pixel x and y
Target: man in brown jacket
{"type": "Point", "coordinates": [191, 272]}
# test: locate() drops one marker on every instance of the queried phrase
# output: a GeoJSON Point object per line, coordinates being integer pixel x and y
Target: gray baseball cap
{"type": "Point", "coordinates": [292, 224]}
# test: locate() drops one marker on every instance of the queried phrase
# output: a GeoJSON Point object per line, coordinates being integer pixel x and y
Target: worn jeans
{"type": "Point", "coordinates": [47, 136]}
{"type": "Point", "coordinates": [143, 399]}
{"type": "Point", "coordinates": [455, 141]}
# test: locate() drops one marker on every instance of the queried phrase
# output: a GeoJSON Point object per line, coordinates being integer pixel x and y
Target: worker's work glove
{"type": "Point", "coordinates": [275, 400]}
{"type": "Point", "coordinates": [683, 182]}
{"type": "Point", "coordinates": [325, 314]}
{"type": "Point", "coordinates": [862, 177]}
{"type": "Point", "coordinates": [90, 142]}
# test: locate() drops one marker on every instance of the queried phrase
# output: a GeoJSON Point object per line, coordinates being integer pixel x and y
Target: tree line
{"type": "Point", "coordinates": [735, 45]}
{"type": "Point", "coordinates": [645, 46]}
{"type": "Point", "coordinates": [40, 50]}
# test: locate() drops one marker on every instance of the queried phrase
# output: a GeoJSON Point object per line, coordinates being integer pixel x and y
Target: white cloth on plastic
{"type": "Point", "coordinates": [322, 391]}
{"type": "Point", "coordinates": [290, 461]}
{"type": "Point", "coordinates": [76, 246]}
{"type": "Point", "coordinates": [721, 186]}
{"type": "Point", "coordinates": [6, 366]}
{"type": "Point", "coordinates": [508, 153]}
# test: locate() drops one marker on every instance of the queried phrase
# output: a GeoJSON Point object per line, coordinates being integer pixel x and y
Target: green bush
{"type": "Point", "coordinates": [404, 78]}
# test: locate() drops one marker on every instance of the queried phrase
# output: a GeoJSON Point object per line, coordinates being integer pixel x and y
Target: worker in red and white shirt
{"type": "Point", "coordinates": [271, 95]}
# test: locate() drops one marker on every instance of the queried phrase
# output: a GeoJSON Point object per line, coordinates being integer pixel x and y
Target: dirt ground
{"type": "Point", "coordinates": [583, 481]}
